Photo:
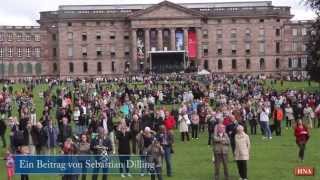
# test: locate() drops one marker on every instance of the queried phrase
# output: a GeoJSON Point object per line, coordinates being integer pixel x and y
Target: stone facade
{"type": "Point", "coordinates": [76, 41]}
{"type": "Point", "coordinates": [22, 51]}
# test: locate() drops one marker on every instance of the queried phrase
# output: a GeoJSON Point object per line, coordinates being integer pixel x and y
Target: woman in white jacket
{"type": "Point", "coordinates": [242, 152]}
{"type": "Point", "coordinates": [184, 123]}
{"type": "Point", "coordinates": [289, 116]}
{"type": "Point", "coordinates": [308, 115]}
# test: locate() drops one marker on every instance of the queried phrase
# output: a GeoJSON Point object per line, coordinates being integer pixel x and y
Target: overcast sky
{"type": "Point", "coordinates": [26, 12]}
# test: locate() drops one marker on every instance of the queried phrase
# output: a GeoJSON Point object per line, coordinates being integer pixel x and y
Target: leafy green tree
{"type": "Point", "coordinates": [313, 46]}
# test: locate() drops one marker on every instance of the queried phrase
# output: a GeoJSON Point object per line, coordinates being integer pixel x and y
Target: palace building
{"type": "Point", "coordinates": [97, 40]}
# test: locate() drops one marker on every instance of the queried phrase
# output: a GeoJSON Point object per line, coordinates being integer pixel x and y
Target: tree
{"type": "Point", "coordinates": [313, 46]}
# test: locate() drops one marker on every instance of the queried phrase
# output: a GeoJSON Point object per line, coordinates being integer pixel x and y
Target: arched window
{"type": "Point", "coordinates": [206, 64]}
{"type": "Point", "coordinates": [2, 69]}
{"type": "Point", "coordinates": [85, 67]}
{"type": "Point", "coordinates": [28, 68]}
{"type": "Point", "coordinates": [234, 64]}
{"type": "Point", "coordinates": [55, 68]}
{"type": "Point", "coordinates": [20, 68]}
{"type": "Point", "coordinates": [248, 63]}
{"type": "Point", "coordinates": [71, 68]}
{"type": "Point", "coordinates": [127, 66]}
{"type": "Point", "coordinates": [289, 63]}
{"type": "Point", "coordinates": [277, 63]}
{"type": "Point", "coordinates": [11, 69]}
{"type": "Point", "coordinates": [220, 65]}
{"type": "Point", "coordinates": [262, 64]}
{"type": "Point", "coordinates": [113, 69]}
{"type": "Point", "coordinates": [38, 68]}
{"type": "Point", "coordinates": [99, 67]}
{"type": "Point", "coordinates": [299, 62]}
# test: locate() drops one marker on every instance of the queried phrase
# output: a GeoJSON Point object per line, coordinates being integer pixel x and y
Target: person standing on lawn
{"type": "Point", "coordinates": [242, 152]}
{"type": "Point", "coordinates": [194, 125]}
{"type": "Point", "coordinates": [289, 116]}
{"type": "Point", "coordinates": [278, 117]}
{"type": "Point", "coordinates": [221, 149]}
{"type": "Point", "coordinates": [308, 115]}
{"type": "Point", "coordinates": [232, 130]}
{"type": "Point", "coordinates": [264, 122]}
{"type": "Point", "coordinates": [3, 128]}
{"type": "Point", "coordinates": [184, 122]}
{"type": "Point", "coordinates": [166, 139]}
{"type": "Point", "coordinates": [302, 135]}
{"type": "Point", "coordinates": [123, 137]}
{"type": "Point", "coordinates": [252, 118]}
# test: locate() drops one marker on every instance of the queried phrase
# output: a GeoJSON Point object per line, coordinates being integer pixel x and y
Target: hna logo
{"type": "Point", "coordinates": [304, 171]}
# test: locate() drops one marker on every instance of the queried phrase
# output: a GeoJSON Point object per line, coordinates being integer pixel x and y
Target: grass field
{"type": "Point", "coordinates": [273, 159]}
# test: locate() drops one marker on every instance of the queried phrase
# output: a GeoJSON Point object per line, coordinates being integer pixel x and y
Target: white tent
{"type": "Point", "coordinates": [203, 72]}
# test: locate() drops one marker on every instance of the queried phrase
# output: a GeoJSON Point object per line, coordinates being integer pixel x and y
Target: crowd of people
{"type": "Point", "coordinates": [139, 115]}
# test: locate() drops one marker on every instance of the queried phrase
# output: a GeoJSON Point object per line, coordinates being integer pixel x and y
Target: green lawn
{"type": "Point", "coordinates": [293, 85]}
{"type": "Point", "coordinates": [273, 159]}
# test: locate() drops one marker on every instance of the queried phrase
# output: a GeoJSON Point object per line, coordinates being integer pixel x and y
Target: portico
{"type": "Point", "coordinates": [165, 27]}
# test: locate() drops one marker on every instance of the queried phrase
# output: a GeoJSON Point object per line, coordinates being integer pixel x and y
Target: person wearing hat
{"type": "Point", "coordinates": [220, 149]}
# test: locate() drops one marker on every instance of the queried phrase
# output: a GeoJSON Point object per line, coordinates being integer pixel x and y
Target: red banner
{"type": "Point", "coordinates": [192, 44]}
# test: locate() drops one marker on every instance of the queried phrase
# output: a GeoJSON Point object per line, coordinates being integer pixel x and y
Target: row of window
{"type": "Point", "coordinates": [233, 33]}
{"type": "Point", "coordinates": [296, 46]}
{"type": "Point", "coordinates": [21, 68]}
{"type": "Point", "coordinates": [85, 67]}
{"type": "Point", "coordinates": [234, 64]}
{"type": "Point", "coordinates": [19, 36]}
{"type": "Point", "coordinates": [299, 31]}
{"type": "Point", "coordinates": [98, 36]}
{"type": "Point", "coordinates": [299, 62]}
{"type": "Point", "coordinates": [219, 21]}
{"type": "Point", "coordinates": [99, 51]}
{"type": "Point", "coordinates": [247, 20]}
{"type": "Point", "coordinates": [20, 52]}
{"type": "Point", "coordinates": [292, 63]}
{"type": "Point", "coordinates": [233, 45]}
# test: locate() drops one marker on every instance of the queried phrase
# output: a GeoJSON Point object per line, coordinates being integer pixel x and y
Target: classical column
{"type": "Point", "coordinates": [147, 44]}
{"type": "Point", "coordinates": [173, 39]}
{"type": "Point", "coordinates": [185, 39]}
{"type": "Point", "coordinates": [133, 64]}
{"type": "Point", "coordinates": [199, 46]}
{"type": "Point", "coordinates": [160, 40]}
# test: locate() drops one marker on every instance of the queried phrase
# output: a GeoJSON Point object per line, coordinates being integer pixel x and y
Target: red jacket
{"type": "Point", "coordinates": [227, 121]}
{"type": "Point", "coordinates": [278, 114]}
{"type": "Point", "coordinates": [169, 122]}
{"type": "Point", "coordinates": [302, 135]}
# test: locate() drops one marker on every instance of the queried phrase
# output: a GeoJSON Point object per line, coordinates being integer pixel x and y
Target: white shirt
{"type": "Point", "coordinates": [264, 116]}
{"type": "Point", "coordinates": [105, 125]}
